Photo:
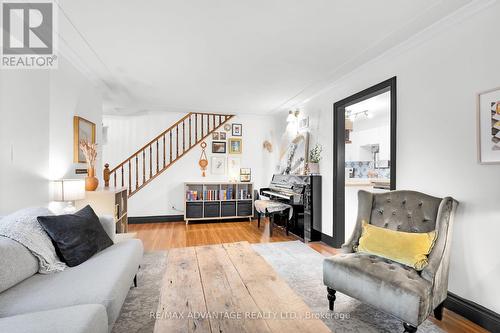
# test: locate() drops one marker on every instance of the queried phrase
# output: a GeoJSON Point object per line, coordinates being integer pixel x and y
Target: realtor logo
{"type": "Point", "coordinates": [28, 35]}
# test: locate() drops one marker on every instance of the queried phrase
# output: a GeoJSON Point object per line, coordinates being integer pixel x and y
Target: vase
{"type": "Point", "coordinates": [91, 181]}
{"type": "Point", "coordinates": [313, 168]}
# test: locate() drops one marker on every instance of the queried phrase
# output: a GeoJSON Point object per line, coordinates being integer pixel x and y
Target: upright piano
{"type": "Point", "coordinates": [303, 193]}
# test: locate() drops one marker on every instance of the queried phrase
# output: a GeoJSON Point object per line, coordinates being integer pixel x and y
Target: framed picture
{"type": "Point", "coordinates": [304, 124]}
{"type": "Point", "coordinates": [235, 146]}
{"type": "Point", "coordinates": [488, 126]}
{"type": "Point", "coordinates": [83, 129]}
{"type": "Point", "coordinates": [218, 147]}
{"type": "Point", "coordinates": [233, 167]}
{"type": "Point", "coordinates": [218, 165]}
{"type": "Point", "coordinates": [245, 174]}
{"type": "Point", "coordinates": [237, 129]}
{"type": "Point", "coordinates": [227, 127]}
{"type": "Point", "coordinates": [215, 136]}
{"type": "Point", "coordinates": [222, 135]}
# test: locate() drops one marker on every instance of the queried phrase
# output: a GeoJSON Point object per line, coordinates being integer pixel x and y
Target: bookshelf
{"type": "Point", "coordinates": [217, 201]}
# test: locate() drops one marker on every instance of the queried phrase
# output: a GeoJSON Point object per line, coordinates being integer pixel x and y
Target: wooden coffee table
{"type": "Point", "coordinates": [228, 288]}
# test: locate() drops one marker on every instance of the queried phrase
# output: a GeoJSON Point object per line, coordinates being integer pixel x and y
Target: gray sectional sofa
{"type": "Point", "coordinates": [82, 299]}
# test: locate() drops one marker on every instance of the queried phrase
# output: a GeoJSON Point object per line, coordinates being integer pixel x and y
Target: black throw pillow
{"type": "Point", "coordinates": [76, 237]}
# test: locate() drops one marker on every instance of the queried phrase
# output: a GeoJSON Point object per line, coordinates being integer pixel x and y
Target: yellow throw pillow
{"type": "Point", "coordinates": [407, 248]}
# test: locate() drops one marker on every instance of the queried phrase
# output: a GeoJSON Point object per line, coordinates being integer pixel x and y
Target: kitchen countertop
{"type": "Point", "coordinates": [369, 182]}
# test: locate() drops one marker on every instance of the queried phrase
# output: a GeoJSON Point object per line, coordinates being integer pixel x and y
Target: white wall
{"type": "Point", "coordinates": [438, 76]}
{"type": "Point", "coordinates": [24, 137]}
{"type": "Point", "coordinates": [71, 94]}
{"type": "Point", "coordinates": [126, 134]}
{"type": "Point", "coordinates": [36, 130]}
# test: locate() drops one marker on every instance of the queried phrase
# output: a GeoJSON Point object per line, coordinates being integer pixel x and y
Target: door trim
{"type": "Point", "coordinates": [339, 150]}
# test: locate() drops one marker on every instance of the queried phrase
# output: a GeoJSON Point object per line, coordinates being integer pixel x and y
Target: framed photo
{"type": "Point", "coordinates": [215, 136]}
{"type": "Point", "coordinates": [222, 135]}
{"type": "Point", "coordinates": [227, 127]}
{"type": "Point", "coordinates": [488, 126]}
{"type": "Point", "coordinates": [218, 165]}
{"type": "Point", "coordinates": [83, 129]}
{"type": "Point", "coordinates": [304, 124]}
{"type": "Point", "coordinates": [233, 167]}
{"type": "Point", "coordinates": [245, 174]}
{"type": "Point", "coordinates": [237, 129]}
{"type": "Point", "coordinates": [235, 146]}
{"type": "Point", "coordinates": [218, 147]}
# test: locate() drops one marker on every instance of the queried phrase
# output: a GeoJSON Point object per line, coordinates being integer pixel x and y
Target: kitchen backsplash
{"type": "Point", "coordinates": [362, 168]}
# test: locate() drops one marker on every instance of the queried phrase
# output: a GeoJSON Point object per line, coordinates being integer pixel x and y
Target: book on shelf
{"type": "Point", "coordinates": [192, 196]}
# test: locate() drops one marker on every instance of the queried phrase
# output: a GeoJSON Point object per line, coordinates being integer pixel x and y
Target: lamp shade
{"type": "Point", "coordinates": [67, 189]}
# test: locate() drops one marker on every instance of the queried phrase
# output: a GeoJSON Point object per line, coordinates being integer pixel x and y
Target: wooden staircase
{"type": "Point", "coordinates": [162, 152]}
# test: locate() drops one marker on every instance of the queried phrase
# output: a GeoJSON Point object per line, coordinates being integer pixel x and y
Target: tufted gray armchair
{"type": "Point", "coordinates": [389, 286]}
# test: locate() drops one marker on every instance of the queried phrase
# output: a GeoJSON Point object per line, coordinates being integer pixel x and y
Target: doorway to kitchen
{"type": "Point", "coordinates": [364, 156]}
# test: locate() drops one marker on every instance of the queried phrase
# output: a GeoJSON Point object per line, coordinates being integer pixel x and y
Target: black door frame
{"type": "Point", "coordinates": [339, 150]}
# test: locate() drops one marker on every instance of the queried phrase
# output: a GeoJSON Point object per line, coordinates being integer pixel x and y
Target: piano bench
{"type": "Point", "coordinates": [261, 206]}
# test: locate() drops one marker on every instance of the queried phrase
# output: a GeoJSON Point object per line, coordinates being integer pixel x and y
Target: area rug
{"type": "Point", "coordinates": [298, 264]}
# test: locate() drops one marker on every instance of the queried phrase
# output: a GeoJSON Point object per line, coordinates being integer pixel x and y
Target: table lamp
{"type": "Point", "coordinates": [68, 190]}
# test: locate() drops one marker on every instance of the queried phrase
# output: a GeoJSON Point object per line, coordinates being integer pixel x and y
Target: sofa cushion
{"type": "Point", "coordinates": [16, 263]}
{"type": "Point", "coordinates": [103, 279]}
{"type": "Point", "coordinates": [90, 318]}
{"type": "Point", "coordinates": [382, 283]}
{"type": "Point", "coordinates": [23, 227]}
{"type": "Point", "coordinates": [76, 237]}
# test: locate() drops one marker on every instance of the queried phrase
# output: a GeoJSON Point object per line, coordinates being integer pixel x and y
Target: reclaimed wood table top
{"type": "Point", "coordinates": [228, 288]}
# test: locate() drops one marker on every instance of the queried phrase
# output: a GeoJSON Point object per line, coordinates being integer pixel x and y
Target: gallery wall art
{"type": "Point", "coordinates": [83, 130]}
{"type": "Point", "coordinates": [488, 126]}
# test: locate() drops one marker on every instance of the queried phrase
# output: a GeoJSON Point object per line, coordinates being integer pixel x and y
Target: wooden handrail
{"type": "Point", "coordinates": [151, 142]}
{"type": "Point", "coordinates": [217, 120]}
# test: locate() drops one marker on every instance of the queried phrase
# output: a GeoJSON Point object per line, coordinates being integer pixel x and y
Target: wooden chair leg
{"type": "Point", "coordinates": [331, 297]}
{"type": "Point", "coordinates": [409, 328]}
{"type": "Point", "coordinates": [258, 220]}
{"type": "Point", "coordinates": [287, 221]}
{"type": "Point", "coordinates": [271, 225]}
{"type": "Point", "coordinates": [438, 312]}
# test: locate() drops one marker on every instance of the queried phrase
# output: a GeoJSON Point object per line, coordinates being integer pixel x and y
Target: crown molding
{"type": "Point", "coordinates": [335, 79]}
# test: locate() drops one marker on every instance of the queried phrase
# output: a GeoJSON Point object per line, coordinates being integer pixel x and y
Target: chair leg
{"type": "Point", "coordinates": [438, 311]}
{"type": "Point", "coordinates": [409, 328]}
{"type": "Point", "coordinates": [331, 297]}
{"type": "Point", "coordinates": [271, 225]}
{"type": "Point", "coordinates": [258, 220]}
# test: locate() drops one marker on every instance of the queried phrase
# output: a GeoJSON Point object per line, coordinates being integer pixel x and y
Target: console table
{"type": "Point", "coordinates": [218, 200]}
{"type": "Point", "coordinates": [108, 201]}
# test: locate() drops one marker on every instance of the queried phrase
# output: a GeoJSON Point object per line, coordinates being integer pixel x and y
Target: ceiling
{"type": "Point", "coordinates": [230, 56]}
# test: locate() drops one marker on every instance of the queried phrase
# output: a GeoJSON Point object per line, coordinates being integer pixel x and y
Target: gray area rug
{"type": "Point", "coordinates": [298, 264]}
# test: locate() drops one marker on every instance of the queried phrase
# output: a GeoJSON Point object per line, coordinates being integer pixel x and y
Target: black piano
{"type": "Point", "coordinates": [303, 193]}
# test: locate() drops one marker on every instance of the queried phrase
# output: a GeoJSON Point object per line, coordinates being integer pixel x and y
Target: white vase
{"type": "Point", "coordinates": [313, 168]}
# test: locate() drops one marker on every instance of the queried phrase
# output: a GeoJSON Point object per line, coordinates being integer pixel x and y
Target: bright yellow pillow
{"type": "Point", "coordinates": [407, 248]}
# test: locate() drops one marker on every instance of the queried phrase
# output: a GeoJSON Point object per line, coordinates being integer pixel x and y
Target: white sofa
{"type": "Point", "coordinates": [82, 299]}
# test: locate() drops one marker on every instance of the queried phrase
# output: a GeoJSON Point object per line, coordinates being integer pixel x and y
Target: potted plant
{"type": "Point", "coordinates": [314, 158]}
{"type": "Point", "coordinates": [90, 152]}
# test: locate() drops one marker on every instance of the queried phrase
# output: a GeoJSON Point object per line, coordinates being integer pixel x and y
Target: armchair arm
{"type": "Point", "coordinates": [437, 269]}
{"type": "Point", "coordinates": [365, 201]}
{"type": "Point", "coordinates": [108, 223]}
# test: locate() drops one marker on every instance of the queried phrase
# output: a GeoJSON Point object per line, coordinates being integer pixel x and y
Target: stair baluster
{"type": "Point", "coordinates": [213, 122]}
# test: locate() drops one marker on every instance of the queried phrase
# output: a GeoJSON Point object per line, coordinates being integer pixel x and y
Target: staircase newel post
{"type": "Point", "coordinates": [106, 174]}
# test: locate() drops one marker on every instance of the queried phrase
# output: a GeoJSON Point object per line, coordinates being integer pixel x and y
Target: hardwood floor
{"type": "Point", "coordinates": [163, 236]}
